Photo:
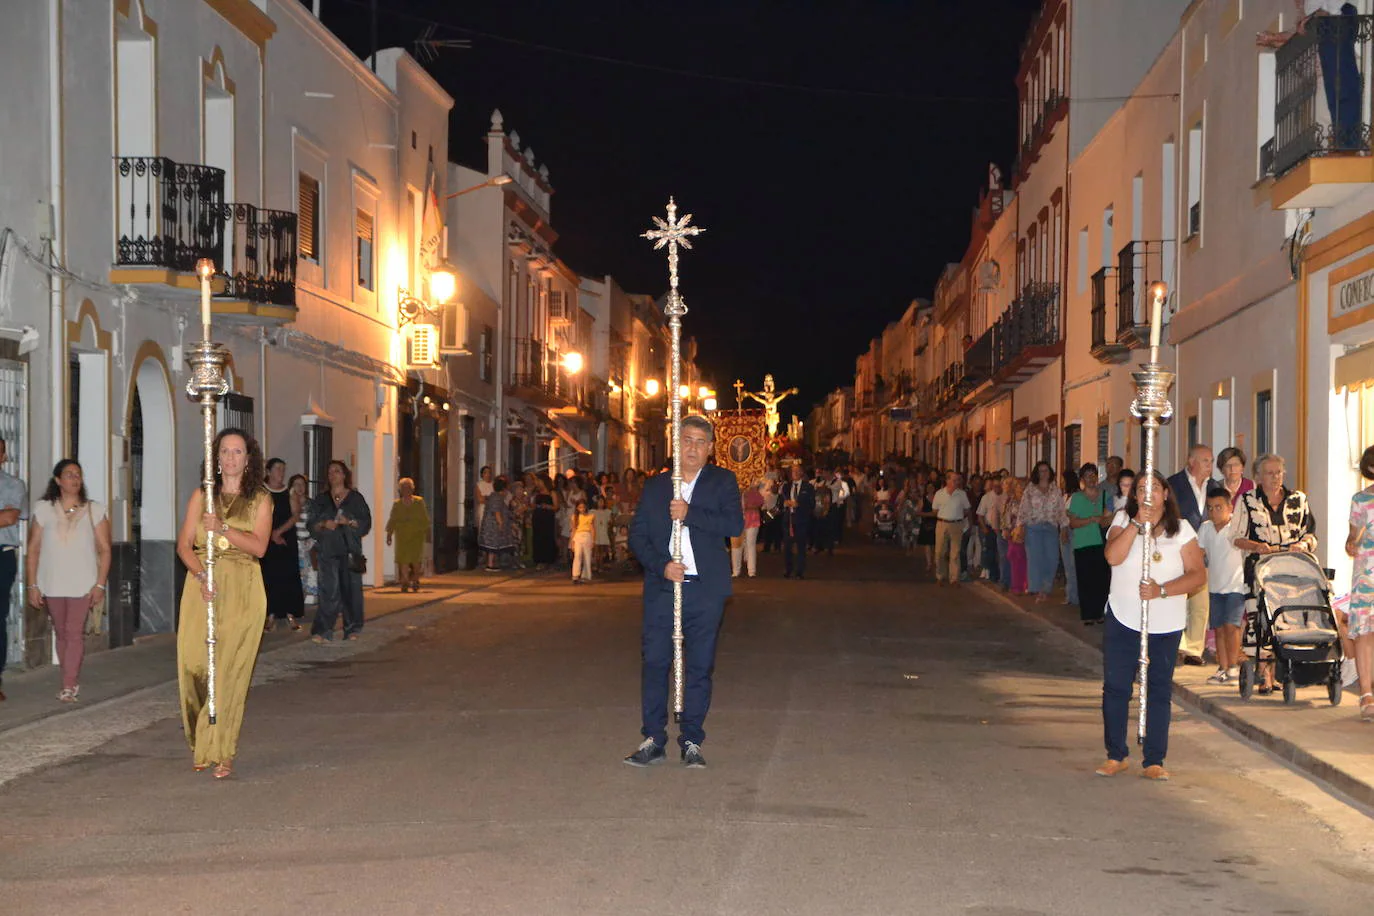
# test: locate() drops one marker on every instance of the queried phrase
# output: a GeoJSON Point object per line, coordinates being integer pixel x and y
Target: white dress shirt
{"type": "Point", "coordinates": [689, 559]}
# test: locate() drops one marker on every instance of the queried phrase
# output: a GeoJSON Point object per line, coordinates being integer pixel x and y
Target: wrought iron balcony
{"type": "Point", "coordinates": [1319, 106]}
{"type": "Point", "coordinates": [1137, 266]}
{"type": "Point", "coordinates": [262, 255]}
{"type": "Point", "coordinates": [536, 375]}
{"type": "Point", "coordinates": [168, 214]}
{"type": "Point", "coordinates": [1105, 348]}
{"type": "Point", "coordinates": [1025, 333]}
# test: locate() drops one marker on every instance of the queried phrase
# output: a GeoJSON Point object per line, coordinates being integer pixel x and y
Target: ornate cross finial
{"type": "Point", "coordinates": [673, 232]}
{"type": "Point", "coordinates": [739, 394]}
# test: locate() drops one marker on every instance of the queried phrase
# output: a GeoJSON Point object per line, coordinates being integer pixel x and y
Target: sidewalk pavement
{"type": "Point", "coordinates": [1326, 742]}
{"type": "Point", "coordinates": [151, 660]}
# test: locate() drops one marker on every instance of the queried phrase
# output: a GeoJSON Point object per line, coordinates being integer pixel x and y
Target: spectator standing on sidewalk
{"type": "Point", "coordinates": [989, 519]}
{"type": "Point", "coordinates": [305, 544]}
{"type": "Point", "coordinates": [1090, 510]}
{"type": "Point", "coordinates": [1359, 544]}
{"type": "Point", "coordinates": [1042, 516]}
{"type": "Point", "coordinates": [14, 505]}
{"type": "Point", "coordinates": [340, 519]}
{"type": "Point", "coordinates": [951, 507]}
{"type": "Point", "coordinates": [1176, 568]}
{"type": "Point", "coordinates": [1015, 534]}
{"type": "Point", "coordinates": [1225, 583]}
{"type": "Point", "coordinates": [1231, 464]}
{"type": "Point", "coordinates": [281, 563]}
{"type": "Point", "coordinates": [409, 525]}
{"type": "Point", "coordinates": [1066, 546]}
{"type": "Point", "coordinates": [583, 542]}
{"type": "Point", "coordinates": [498, 535]}
{"type": "Point", "coordinates": [1190, 492]}
{"type": "Point", "coordinates": [67, 563]}
{"type": "Point", "coordinates": [841, 491]}
{"type": "Point", "coordinates": [1124, 486]}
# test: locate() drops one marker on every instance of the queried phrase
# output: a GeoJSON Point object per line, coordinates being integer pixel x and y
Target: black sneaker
{"type": "Point", "coordinates": [648, 754]}
{"type": "Point", "coordinates": [691, 756]}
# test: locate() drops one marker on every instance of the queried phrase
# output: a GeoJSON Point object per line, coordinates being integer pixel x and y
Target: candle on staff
{"type": "Point", "coordinates": [205, 269]}
{"type": "Point", "coordinates": [1158, 293]}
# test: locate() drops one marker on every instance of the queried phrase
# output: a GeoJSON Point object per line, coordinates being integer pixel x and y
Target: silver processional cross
{"type": "Point", "coordinates": [674, 232]}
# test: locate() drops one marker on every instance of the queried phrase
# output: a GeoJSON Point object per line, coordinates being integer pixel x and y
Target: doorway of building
{"type": "Point", "coordinates": [153, 509]}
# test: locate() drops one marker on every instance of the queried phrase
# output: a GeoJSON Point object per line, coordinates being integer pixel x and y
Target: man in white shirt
{"type": "Point", "coordinates": [952, 510]}
{"type": "Point", "coordinates": [839, 505]}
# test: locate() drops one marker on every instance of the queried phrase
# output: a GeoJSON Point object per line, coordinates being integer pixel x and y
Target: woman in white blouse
{"type": "Point", "coordinates": [68, 560]}
{"type": "Point", "coordinates": [1176, 568]}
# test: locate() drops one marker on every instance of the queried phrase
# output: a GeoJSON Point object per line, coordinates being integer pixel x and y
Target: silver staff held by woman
{"type": "Point", "coordinates": [674, 232]}
{"type": "Point", "coordinates": [208, 385]}
{"type": "Point", "coordinates": [1152, 407]}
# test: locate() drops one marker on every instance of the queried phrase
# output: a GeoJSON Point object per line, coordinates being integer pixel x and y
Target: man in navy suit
{"type": "Point", "coordinates": [798, 501]}
{"type": "Point", "coordinates": [1190, 491]}
{"type": "Point", "coordinates": [710, 511]}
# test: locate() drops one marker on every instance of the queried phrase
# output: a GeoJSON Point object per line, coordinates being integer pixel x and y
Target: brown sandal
{"type": "Point", "coordinates": [224, 770]}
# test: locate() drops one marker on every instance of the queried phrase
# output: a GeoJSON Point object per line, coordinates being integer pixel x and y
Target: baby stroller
{"type": "Point", "coordinates": [1293, 626]}
{"type": "Point", "coordinates": [884, 521]}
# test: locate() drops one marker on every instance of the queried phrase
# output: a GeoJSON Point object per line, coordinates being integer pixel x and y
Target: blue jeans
{"type": "Point", "coordinates": [1070, 573]}
{"type": "Point", "coordinates": [701, 617]}
{"type": "Point", "coordinates": [1003, 564]}
{"type": "Point", "coordinates": [1120, 667]}
{"type": "Point", "coordinates": [1042, 556]}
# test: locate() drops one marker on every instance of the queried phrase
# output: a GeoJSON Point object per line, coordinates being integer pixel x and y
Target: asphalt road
{"type": "Point", "coordinates": [877, 746]}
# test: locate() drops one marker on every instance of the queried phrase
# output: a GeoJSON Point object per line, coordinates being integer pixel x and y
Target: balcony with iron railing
{"type": "Point", "coordinates": [1027, 336]}
{"type": "Point", "coordinates": [1105, 347]}
{"type": "Point", "coordinates": [1138, 265]}
{"type": "Point", "coordinates": [536, 375]}
{"type": "Point", "coordinates": [1321, 152]}
{"type": "Point", "coordinates": [169, 215]}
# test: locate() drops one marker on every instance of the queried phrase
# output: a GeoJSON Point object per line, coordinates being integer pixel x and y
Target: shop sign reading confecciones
{"type": "Point", "coordinates": [1350, 294]}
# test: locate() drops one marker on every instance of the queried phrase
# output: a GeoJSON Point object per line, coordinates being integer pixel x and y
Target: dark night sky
{"type": "Point", "coordinates": [827, 212]}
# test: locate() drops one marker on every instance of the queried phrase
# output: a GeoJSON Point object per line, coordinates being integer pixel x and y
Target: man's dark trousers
{"type": "Point", "coordinates": [794, 544]}
{"type": "Point", "coordinates": [701, 617]}
{"type": "Point", "coordinates": [9, 569]}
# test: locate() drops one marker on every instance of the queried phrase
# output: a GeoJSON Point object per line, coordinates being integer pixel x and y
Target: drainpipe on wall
{"type": "Point", "coordinates": [57, 324]}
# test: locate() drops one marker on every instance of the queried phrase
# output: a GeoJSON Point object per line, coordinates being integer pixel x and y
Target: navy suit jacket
{"type": "Point", "coordinates": [1187, 502]}
{"type": "Point", "coordinates": [798, 520]}
{"type": "Point", "coordinates": [714, 514]}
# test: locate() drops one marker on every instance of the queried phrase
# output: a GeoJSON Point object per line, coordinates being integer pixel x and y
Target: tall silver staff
{"type": "Point", "coordinates": [207, 385]}
{"type": "Point", "coordinates": [1151, 406]}
{"type": "Point", "coordinates": [674, 232]}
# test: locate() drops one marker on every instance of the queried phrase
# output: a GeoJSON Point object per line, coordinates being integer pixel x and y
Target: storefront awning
{"type": "Point", "coordinates": [1355, 369]}
{"type": "Point", "coordinates": [567, 438]}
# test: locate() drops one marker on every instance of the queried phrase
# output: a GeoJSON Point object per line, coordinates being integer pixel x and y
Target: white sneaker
{"type": "Point", "coordinates": [1221, 677]}
{"type": "Point", "coordinates": [1348, 673]}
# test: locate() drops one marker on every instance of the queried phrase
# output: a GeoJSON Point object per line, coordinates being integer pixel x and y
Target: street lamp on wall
{"type": "Point", "coordinates": [494, 181]}
{"type": "Point", "coordinates": [572, 361]}
{"type": "Point", "coordinates": [651, 387]}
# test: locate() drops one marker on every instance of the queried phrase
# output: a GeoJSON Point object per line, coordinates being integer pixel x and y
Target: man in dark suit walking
{"type": "Point", "coordinates": [798, 501]}
{"type": "Point", "coordinates": [1190, 492]}
{"type": "Point", "coordinates": [711, 512]}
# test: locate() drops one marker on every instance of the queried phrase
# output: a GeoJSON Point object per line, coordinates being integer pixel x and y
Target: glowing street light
{"type": "Point", "coordinates": [651, 387]}
{"type": "Point", "coordinates": [703, 392]}
{"type": "Point", "coordinates": [443, 283]}
{"type": "Point", "coordinates": [684, 391]}
{"type": "Point", "coordinates": [709, 405]}
{"type": "Point", "coordinates": [572, 361]}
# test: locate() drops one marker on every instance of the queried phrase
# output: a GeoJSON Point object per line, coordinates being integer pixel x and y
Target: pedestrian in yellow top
{"type": "Point", "coordinates": [241, 524]}
{"type": "Point", "coordinates": [583, 542]}
{"type": "Point", "coordinates": [409, 524]}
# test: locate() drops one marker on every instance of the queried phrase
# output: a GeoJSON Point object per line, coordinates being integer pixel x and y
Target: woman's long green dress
{"type": "Point", "coordinates": [240, 606]}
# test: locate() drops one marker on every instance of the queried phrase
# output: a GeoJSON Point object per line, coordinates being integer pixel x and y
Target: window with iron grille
{"type": "Point", "coordinates": [363, 224]}
{"type": "Point", "coordinates": [236, 412]}
{"type": "Point", "coordinates": [484, 354]}
{"type": "Point", "coordinates": [307, 216]}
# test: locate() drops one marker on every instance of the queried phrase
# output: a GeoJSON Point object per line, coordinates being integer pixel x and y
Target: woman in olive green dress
{"type": "Point", "coordinates": [241, 524]}
{"type": "Point", "coordinates": [409, 525]}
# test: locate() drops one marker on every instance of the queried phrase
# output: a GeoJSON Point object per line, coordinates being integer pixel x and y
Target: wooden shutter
{"type": "Point", "coordinates": [307, 213]}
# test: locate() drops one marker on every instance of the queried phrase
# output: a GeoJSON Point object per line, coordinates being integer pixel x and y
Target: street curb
{"type": "Point", "coordinates": [1354, 788]}
{"type": "Point", "coordinates": [140, 690]}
